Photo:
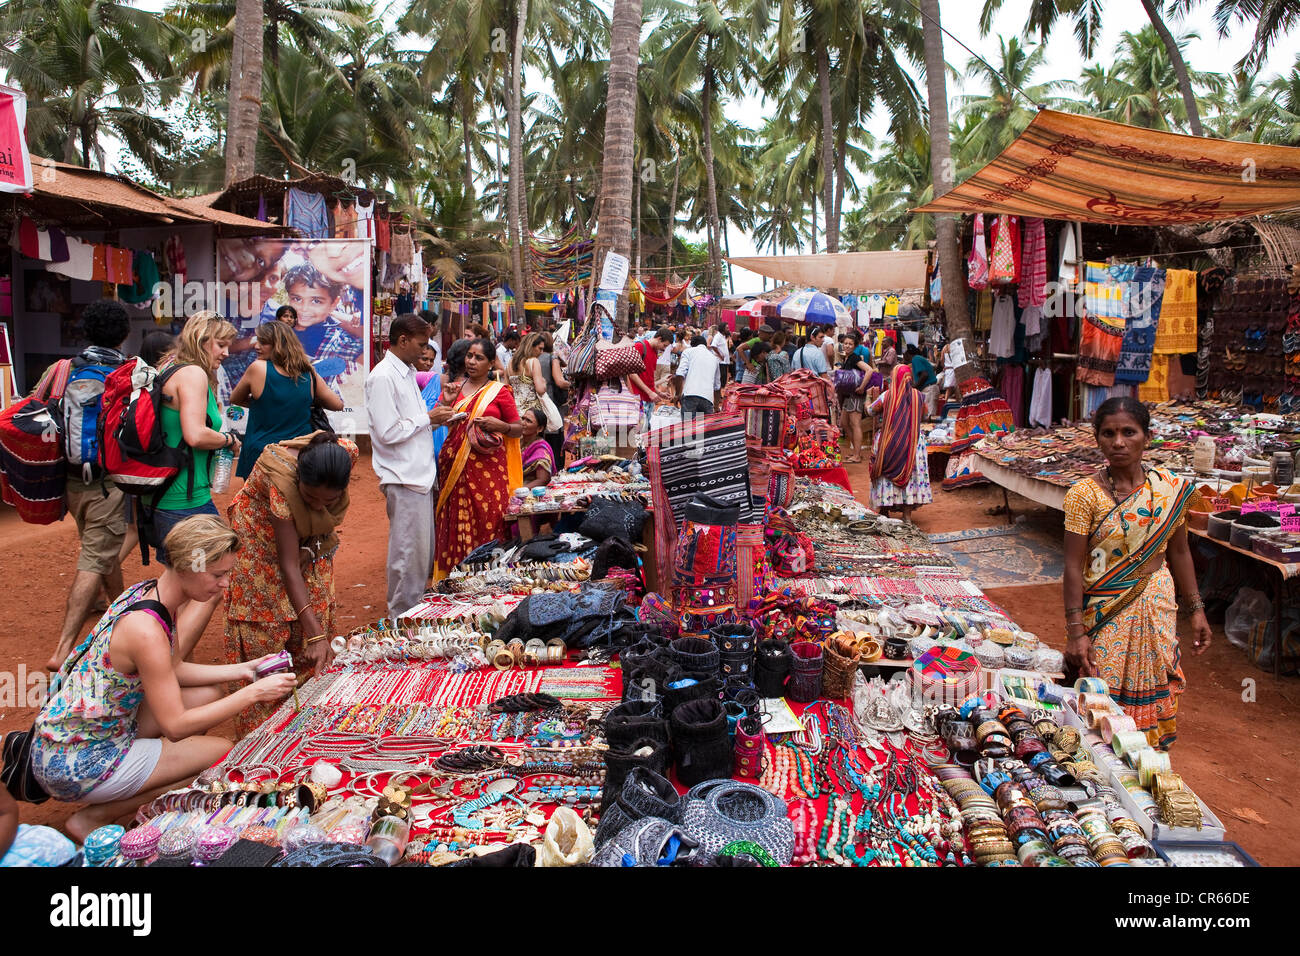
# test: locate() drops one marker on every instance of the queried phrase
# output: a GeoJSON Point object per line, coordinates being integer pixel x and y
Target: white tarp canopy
{"type": "Point", "coordinates": [844, 271]}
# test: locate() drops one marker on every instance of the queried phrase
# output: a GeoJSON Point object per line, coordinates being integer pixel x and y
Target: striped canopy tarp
{"type": "Point", "coordinates": [1090, 170]}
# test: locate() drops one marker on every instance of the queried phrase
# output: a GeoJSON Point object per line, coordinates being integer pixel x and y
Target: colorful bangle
{"type": "Point", "coordinates": [312, 640]}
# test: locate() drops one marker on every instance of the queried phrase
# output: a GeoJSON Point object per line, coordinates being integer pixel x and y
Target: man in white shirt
{"type": "Point", "coordinates": [697, 378]}
{"type": "Point", "coordinates": [718, 346]}
{"type": "Point", "coordinates": [402, 456]}
{"type": "Point", "coordinates": [811, 355]}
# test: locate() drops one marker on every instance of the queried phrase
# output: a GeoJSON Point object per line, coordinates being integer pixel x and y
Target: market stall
{"type": "Point", "coordinates": [813, 685]}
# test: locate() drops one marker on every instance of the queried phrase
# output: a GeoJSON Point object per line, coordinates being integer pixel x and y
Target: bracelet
{"type": "Point", "coordinates": [297, 612]}
{"type": "Point", "coordinates": [1196, 604]}
{"type": "Point", "coordinates": [313, 640]}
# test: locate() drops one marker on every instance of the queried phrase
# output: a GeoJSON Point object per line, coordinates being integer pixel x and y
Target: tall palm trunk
{"type": "Point", "coordinates": [244, 106]}
{"type": "Point", "coordinates": [813, 220]}
{"type": "Point", "coordinates": [951, 273]}
{"type": "Point", "coordinates": [672, 208]}
{"type": "Point", "coordinates": [828, 148]}
{"type": "Point", "coordinates": [515, 201]}
{"type": "Point", "coordinates": [614, 228]}
{"type": "Point", "coordinates": [636, 220]}
{"type": "Point", "coordinates": [711, 183]}
{"type": "Point", "coordinates": [467, 117]}
{"type": "Point", "coordinates": [1180, 67]}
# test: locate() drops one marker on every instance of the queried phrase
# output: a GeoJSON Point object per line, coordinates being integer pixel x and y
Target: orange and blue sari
{"type": "Point", "coordinates": [474, 485]}
{"type": "Point", "coordinates": [1130, 607]}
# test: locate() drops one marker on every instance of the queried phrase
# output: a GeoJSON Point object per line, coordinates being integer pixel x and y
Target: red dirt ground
{"type": "Point", "coordinates": [1251, 785]}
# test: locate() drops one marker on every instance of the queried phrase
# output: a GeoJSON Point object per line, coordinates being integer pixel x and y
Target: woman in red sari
{"type": "Point", "coordinates": [479, 466]}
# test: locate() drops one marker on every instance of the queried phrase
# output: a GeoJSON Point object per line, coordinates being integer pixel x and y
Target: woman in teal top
{"type": "Point", "coordinates": [279, 392]}
{"type": "Point", "coordinates": [191, 416]}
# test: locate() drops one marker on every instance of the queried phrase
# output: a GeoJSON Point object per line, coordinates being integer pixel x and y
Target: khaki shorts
{"type": "Point", "coordinates": [101, 524]}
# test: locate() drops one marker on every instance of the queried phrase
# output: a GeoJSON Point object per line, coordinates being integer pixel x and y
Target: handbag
{"type": "Point", "coordinates": [582, 356]}
{"type": "Point", "coordinates": [618, 362]}
{"type": "Point", "coordinates": [17, 774]}
{"type": "Point", "coordinates": [846, 380]}
{"type": "Point", "coordinates": [554, 421]}
{"type": "Point", "coordinates": [609, 518]}
{"type": "Point", "coordinates": [320, 420]}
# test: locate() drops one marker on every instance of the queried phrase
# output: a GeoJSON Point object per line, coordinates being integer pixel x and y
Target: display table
{"type": "Point", "coordinates": [836, 476]}
{"type": "Point", "coordinates": [1284, 573]}
{"type": "Point", "coordinates": [1043, 492]}
{"type": "Point", "coordinates": [528, 523]}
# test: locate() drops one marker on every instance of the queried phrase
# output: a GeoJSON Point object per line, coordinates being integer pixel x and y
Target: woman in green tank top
{"type": "Point", "coordinates": [191, 416]}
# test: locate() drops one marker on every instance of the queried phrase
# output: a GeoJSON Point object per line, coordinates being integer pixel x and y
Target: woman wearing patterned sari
{"type": "Point", "coordinates": [479, 467]}
{"type": "Point", "coordinates": [900, 468]}
{"type": "Point", "coordinates": [1120, 607]}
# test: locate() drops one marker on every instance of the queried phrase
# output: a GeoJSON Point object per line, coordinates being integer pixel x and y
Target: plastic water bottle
{"type": "Point", "coordinates": [223, 463]}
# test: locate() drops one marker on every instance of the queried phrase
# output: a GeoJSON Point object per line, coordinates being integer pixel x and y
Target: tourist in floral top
{"type": "Point", "coordinates": [127, 721]}
{"type": "Point", "coordinates": [282, 595]}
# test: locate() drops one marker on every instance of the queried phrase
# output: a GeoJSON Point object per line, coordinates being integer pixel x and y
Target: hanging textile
{"type": "Point", "coordinates": [80, 264]}
{"type": "Point", "coordinates": [1142, 302]}
{"type": "Point", "coordinates": [383, 231]}
{"type": "Point", "coordinates": [1033, 268]}
{"type": "Point", "coordinates": [174, 251]}
{"type": "Point", "coordinates": [1040, 403]}
{"type": "Point", "coordinates": [345, 221]}
{"type": "Point", "coordinates": [1099, 350]}
{"type": "Point", "coordinates": [1013, 389]}
{"type": "Point", "coordinates": [403, 248]}
{"type": "Point", "coordinates": [1069, 271]}
{"type": "Point", "coordinates": [977, 264]}
{"type": "Point", "coordinates": [1156, 387]}
{"type": "Point", "coordinates": [983, 311]}
{"type": "Point", "coordinates": [365, 220]}
{"type": "Point", "coordinates": [1002, 337]}
{"type": "Point", "coordinates": [1004, 254]}
{"type": "Point", "coordinates": [145, 275]}
{"type": "Point", "coordinates": [1176, 331]}
{"type": "Point", "coordinates": [306, 212]}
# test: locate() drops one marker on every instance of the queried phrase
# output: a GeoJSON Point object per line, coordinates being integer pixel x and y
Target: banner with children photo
{"type": "Point", "coordinates": [319, 286]}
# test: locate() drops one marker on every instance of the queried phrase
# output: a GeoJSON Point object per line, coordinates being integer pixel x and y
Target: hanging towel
{"type": "Point", "coordinates": [58, 245]}
{"type": "Point", "coordinates": [382, 234]}
{"type": "Point", "coordinates": [1176, 330]}
{"type": "Point", "coordinates": [1156, 387]}
{"type": "Point", "coordinates": [365, 220]}
{"type": "Point", "coordinates": [145, 271]}
{"type": "Point", "coordinates": [977, 264]}
{"type": "Point", "coordinates": [99, 263]}
{"type": "Point", "coordinates": [117, 266]}
{"type": "Point", "coordinates": [1069, 271]}
{"type": "Point", "coordinates": [306, 213]}
{"type": "Point", "coordinates": [80, 264]}
{"type": "Point", "coordinates": [1033, 269]}
{"type": "Point", "coordinates": [1040, 403]}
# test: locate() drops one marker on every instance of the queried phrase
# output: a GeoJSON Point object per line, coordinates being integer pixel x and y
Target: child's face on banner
{"type": "Point", "coordinates": [314, 305]}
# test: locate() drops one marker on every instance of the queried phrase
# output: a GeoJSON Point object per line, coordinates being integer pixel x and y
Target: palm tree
{"type": "Point", "coordinates": [1146, 85]}
{"type": "Point", "coordinates": [614, 212]}
{"type": "Point", "coordinates": [244, 100]}
{"type": "Point", "coordinates": [942, 174]}
{"type": "Point", "coordinates": [91, 67]}
{"type": "Point", "coordinates": [707, 45]}
{"type": "Point", "coordinates": [1087, 16]}
{"type": "Point", "coordinates": [1274, 19]}
{"type": "Point", "coordinates": [1003, 110]}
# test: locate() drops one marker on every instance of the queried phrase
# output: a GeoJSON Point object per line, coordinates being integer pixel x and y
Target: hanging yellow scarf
{"type": "Point", "coordinates": [475, 405]}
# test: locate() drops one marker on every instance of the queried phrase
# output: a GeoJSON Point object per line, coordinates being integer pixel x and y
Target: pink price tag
{"type": "Point", "coordinates": [1285, 509]}
{"type": "Point", "coordinates": [1220, 504]}
{"type": "Point", "coordinates": [1248, 506]}
{"type": "Point", "coordinates": [1270, 506]}
{"type": "Point", "coordinates": [1291, 523]}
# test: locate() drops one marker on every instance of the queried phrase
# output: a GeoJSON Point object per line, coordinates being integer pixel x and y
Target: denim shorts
{"type": "Point", "coordinates": [161, 522]}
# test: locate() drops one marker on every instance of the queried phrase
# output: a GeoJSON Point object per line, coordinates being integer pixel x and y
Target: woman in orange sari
{"type": "Point", "coordinates": [1125, 547]}
{"type": "Point", "coordinates": [479, 466]}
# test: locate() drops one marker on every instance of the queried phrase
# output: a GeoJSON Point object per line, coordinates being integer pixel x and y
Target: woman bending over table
{"type": "Point", "coordinates": [282, 592]}
{"type": "Point", "coordinates": [1120, 608]}
{"type": "Point", "coordinates": [127, 719]}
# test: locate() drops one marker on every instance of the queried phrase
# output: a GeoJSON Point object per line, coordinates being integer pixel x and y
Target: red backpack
{"type": "Point", "coordinates": [132, 450]}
